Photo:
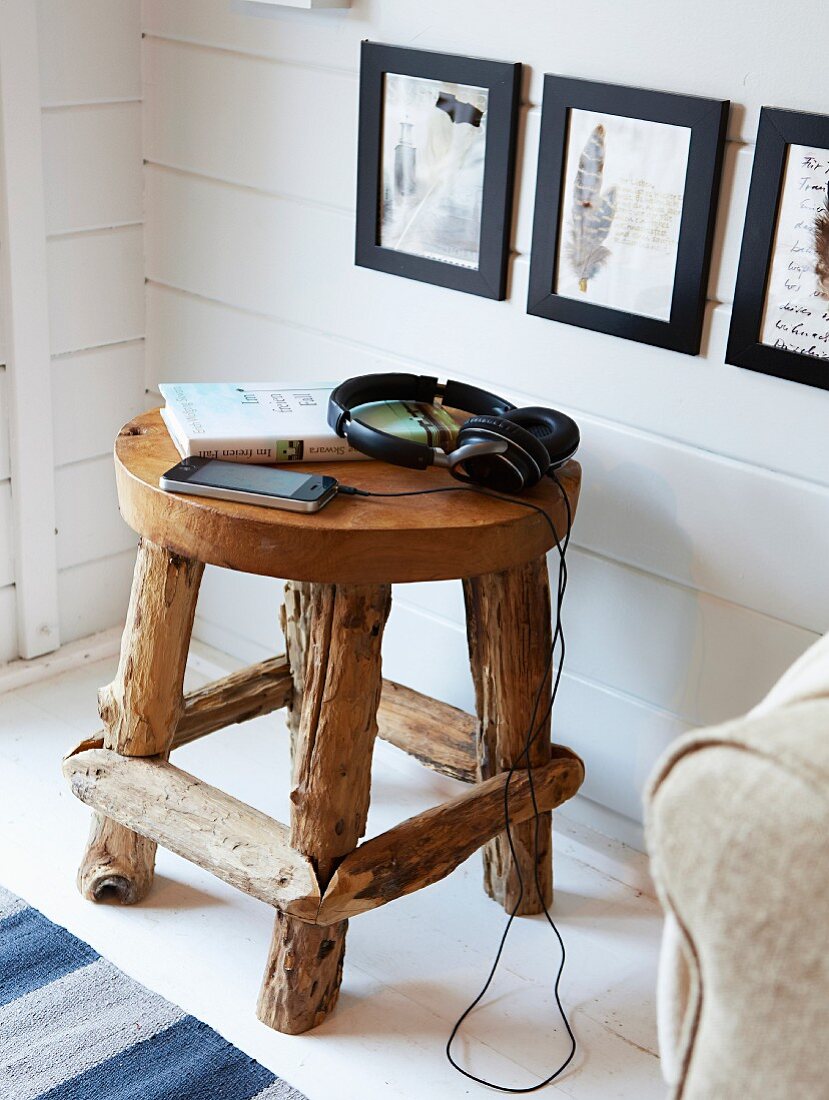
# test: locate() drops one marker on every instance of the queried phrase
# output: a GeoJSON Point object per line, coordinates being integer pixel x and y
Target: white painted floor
{"type": "Point", "coordinates": [411, 967]}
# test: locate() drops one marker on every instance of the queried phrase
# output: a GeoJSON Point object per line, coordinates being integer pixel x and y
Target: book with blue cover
{"type": "Point", "coordinates": [255, 422]}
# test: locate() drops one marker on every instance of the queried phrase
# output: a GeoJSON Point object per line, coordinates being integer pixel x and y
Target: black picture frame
{"type": "Point", "coordinates": [707, 119]}
{"type": "Point", "coordinates": [502, 81]}
{"type": "Point", "coordinates": [778, 130]}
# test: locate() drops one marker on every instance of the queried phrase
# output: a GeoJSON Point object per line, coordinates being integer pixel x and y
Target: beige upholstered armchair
{"type": "Point", "coordinates": [738, 832]}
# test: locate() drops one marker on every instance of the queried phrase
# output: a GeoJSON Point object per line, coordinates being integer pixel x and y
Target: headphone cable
{"type": "Point", "coordinates": [533, 730]}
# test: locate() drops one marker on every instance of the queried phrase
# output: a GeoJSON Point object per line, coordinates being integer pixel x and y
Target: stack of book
{"type": "Point", "coordinates": [255, 422]}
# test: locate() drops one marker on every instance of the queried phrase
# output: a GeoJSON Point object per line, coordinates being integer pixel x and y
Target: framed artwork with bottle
{"type": "Point", "coordinates": [436, 167]}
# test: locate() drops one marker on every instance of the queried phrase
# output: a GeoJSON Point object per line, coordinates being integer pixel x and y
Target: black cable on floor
{"type": "Point", "coordinates": [533, 730]}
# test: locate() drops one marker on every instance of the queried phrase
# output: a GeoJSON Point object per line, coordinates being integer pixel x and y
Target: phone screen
{"type": "Point", "coordinates": [256, 479]}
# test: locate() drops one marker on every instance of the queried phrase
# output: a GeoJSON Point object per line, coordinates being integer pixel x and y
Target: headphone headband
{"type": "Point", "coordinates": [424, 389]}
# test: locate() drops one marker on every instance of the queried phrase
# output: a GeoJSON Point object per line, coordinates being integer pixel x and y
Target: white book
{"type": "Point", "coordinates": [255, 422]}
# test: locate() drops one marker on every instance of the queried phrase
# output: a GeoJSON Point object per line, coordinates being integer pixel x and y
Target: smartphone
{"type": "Point", "coordinates": [248, 484]}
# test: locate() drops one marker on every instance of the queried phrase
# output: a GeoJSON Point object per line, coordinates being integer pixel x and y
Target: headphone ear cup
{"type": "Point", "coordinates": [492, 472]}
{"type": "Point", "coordinates": [556, 432]}
{"type": "Point", "coordinates": [519, 467]}
{"type": "Point", "coordinates": [525, 449]}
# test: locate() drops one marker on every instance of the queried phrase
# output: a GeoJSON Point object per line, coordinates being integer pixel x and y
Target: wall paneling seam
{"type": "Point", "coordinates": [26, 323]}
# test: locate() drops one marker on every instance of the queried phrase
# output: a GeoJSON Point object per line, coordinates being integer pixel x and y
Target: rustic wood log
{"type": "Point", "coordinates": [248, 693]}
{"type": "Point", "coordinates": [509, 632]}
{"type": "Point", "coordinates": [330, 798]}
{"type": "Point", "coordinates": [142, 706]}
{"type": "Point", "coordinates": [355, 540]}
{"type": "Point", "coordinates": [117, 863]}
{"type": "Point", "coordinates": [141, 709]}
{"type": "Point", "coordinates": [295, 615]}
{"type": "Point", "coordinates": [439, 736]}
{"type": "Point", "coordinates": [427, 847]}
{"type": "Point", "coordinates": [235, 842]}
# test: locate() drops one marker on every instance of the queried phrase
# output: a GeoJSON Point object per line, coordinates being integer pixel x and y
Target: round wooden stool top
{"type": "Point", "coordinates": [353, 540]}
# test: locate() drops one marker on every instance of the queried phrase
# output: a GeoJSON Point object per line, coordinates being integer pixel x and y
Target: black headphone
{"type": "Point", "coordinates": [500, 447]}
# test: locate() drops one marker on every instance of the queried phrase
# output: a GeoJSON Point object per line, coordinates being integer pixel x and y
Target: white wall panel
{"type": "Point", "coordinates": [6, 535]}
{"type": "Point", "coordinates": [87, 79]}
{"type": "Point", "coordinates": [238, 613]}
{"type": "Point", "coordinates": [8, 624]}
{"type": "Point", "coordinates": [724, 51]}
{"type": "Point", "coordinates": [89, 50]}
{"type": "Point", "coordinates": [428, 653]}
{"type": "Point", "coordinates": [92, 166]}
{"type": "Point", "coordinates": [191, 338]}
{"type": "Point", "coordinates": [195, 98]}
{"type": "Point", "coordinates": [89, 523]}
{"type": "Point", "coordinates": [316, 39]}
{"type": "Point", "coordinates": [95, 393]}
{"type": "Point", "coordinates": [732, 530]}
{"type": "Point", "coordinates": [4, 426]}
{"type": "Point", "coordinates": [94, 595]}
{"type": "Point", "coordinates": [25, 309]}
{"type": "Point", "coordinates": [620, 737]}
{"type": "Point", "coordinates": [96, 288]}
{"type": "Point", "coordinates": [728, 235]}
{"type": "Point", "coordinates": [702, 658]}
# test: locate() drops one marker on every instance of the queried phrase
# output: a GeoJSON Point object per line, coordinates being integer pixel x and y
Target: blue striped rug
{"type": "Point", "coordinates": [74, 1027]}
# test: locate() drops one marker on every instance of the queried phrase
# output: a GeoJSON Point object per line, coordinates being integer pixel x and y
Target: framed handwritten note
{"type": "Point", "coordinates": [780, 317]}
{"type": "Point", "coordinates": [625, 201]}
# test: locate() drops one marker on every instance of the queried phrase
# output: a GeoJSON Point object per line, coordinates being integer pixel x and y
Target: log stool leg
{"type": "Point", "coordinates": [509, 632]}
{"type": "Point", "coordinates": [296, 618]}
{"type": "Point", "coordinates": [332, 781]}
{"type": "Point", "coordinates": [140, 710]}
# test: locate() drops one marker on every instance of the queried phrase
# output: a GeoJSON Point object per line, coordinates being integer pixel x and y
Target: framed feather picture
{"type": "Point", "coordinates": [780, 316]}
{"type": "Point", "coordinates": [436, 167]}
{"type": "Point", "coordinates": [626, 196]}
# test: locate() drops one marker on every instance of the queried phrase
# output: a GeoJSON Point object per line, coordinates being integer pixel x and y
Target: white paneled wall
{"type": "Point", "coordinates": [703, 531]}
{"type": "Point", "coordinates": [8, 616]}
{"type": "Point", "coordinates": [90, 64]}
{"type": "Point", "coordinates": [28, 624]}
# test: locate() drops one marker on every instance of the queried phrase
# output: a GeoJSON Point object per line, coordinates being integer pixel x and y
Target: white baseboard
{"type": "Point", "coordinates": [18, 674]}
{"type": "Point", "coordinates": [203, 658]}
{"type": "Point", "coordinates": [584, 812]}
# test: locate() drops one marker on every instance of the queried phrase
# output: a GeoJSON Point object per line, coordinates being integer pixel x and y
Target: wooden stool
{"type": "Point", "coordinates": [340, 564]}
